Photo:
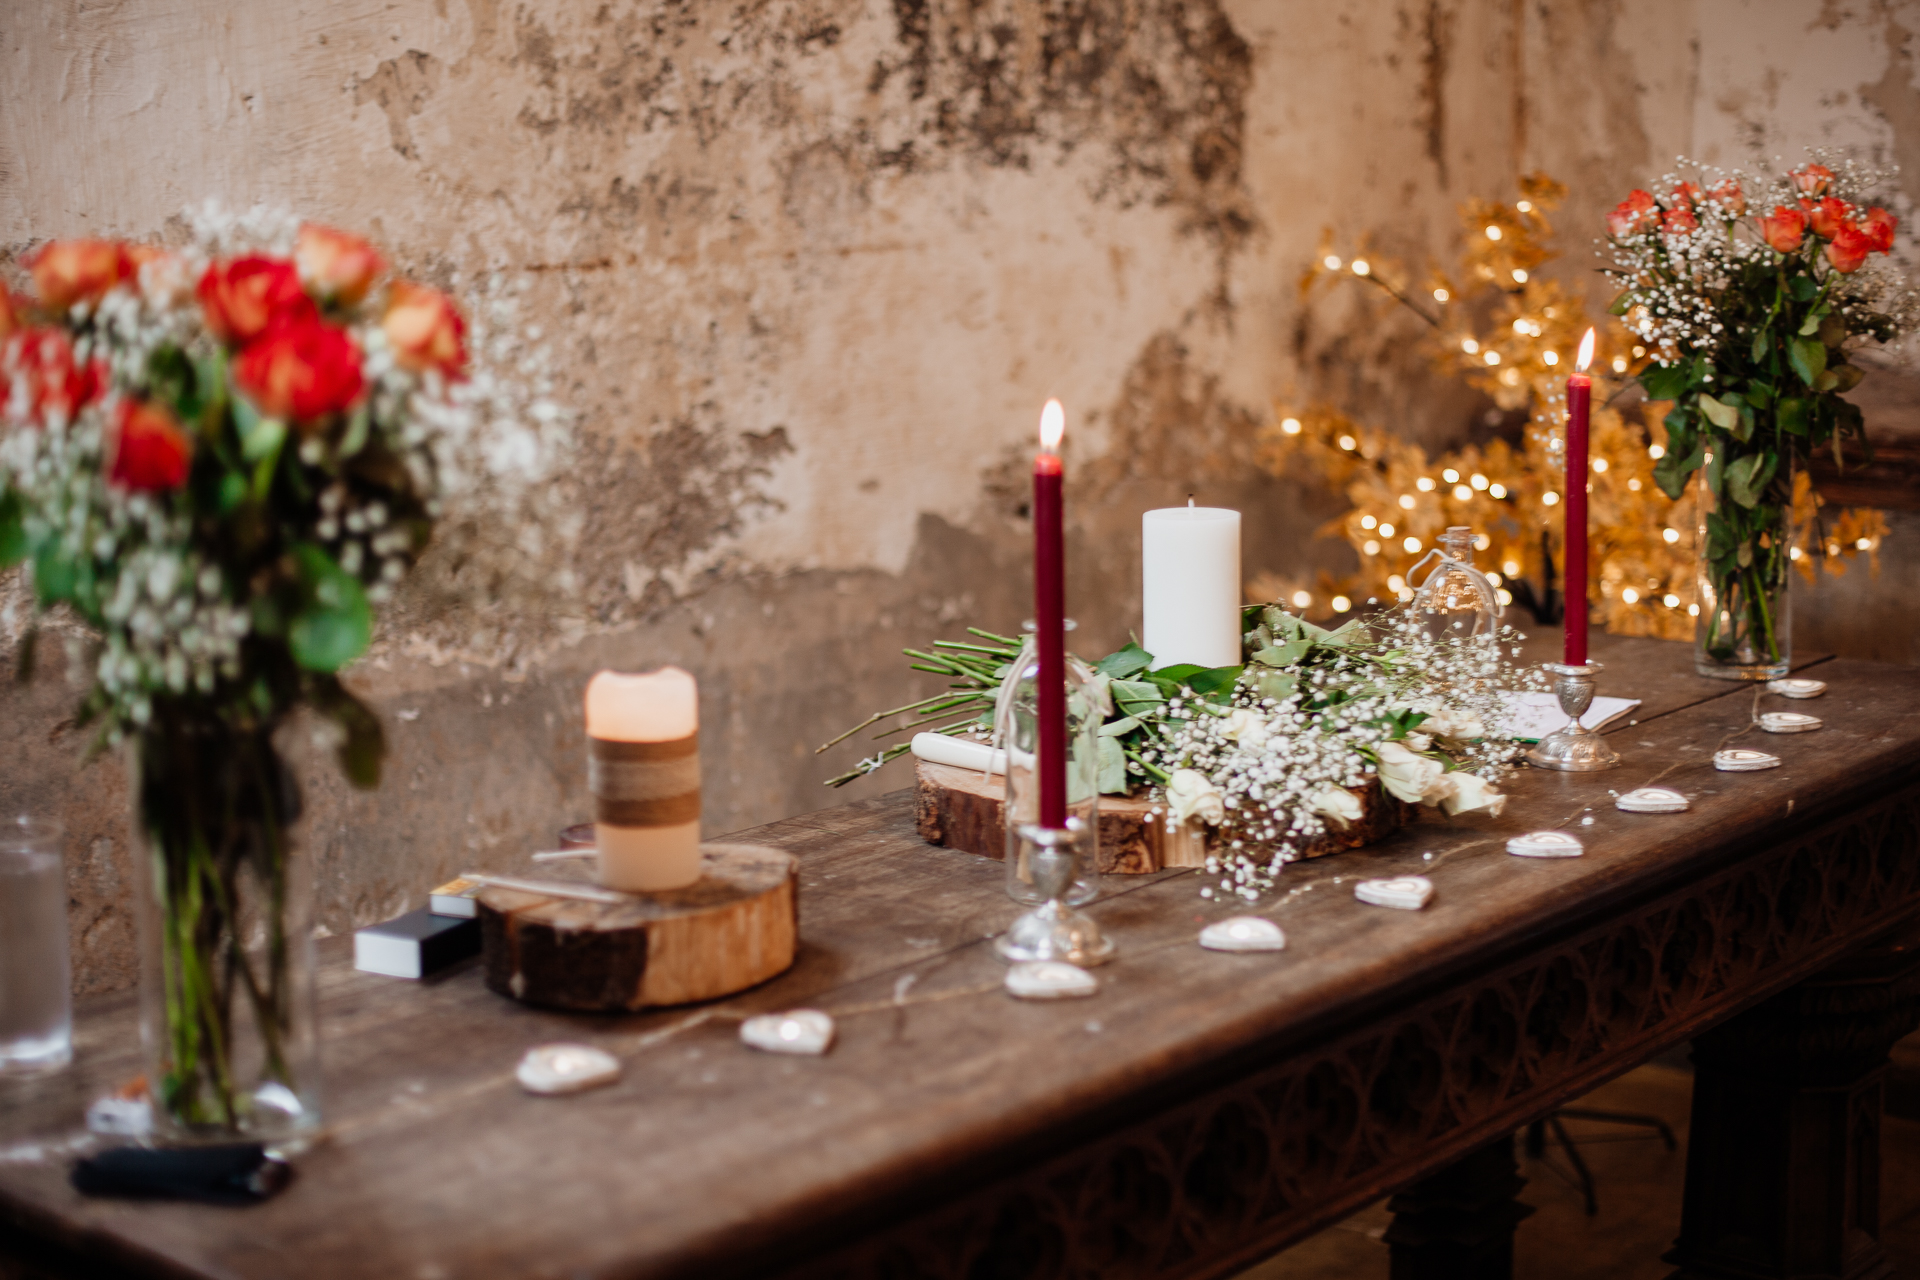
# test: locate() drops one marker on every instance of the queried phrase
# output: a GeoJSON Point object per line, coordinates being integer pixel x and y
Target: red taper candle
{"type": "Point", "coordinates": [1050, 617]}
{"type": "Point", "coordinates": [1579, 400]}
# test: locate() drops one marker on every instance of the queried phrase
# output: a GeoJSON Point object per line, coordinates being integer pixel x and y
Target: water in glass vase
{"type": "Point", "coordinates": [36, 1003]}
{"type": "Point", "coordinates": [1745, 627]}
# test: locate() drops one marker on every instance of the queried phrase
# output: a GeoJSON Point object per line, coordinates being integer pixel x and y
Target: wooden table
{"type": "Point", "coordinates": [1201, 1112]}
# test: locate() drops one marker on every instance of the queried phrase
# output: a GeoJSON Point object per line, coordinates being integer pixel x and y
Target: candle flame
{"type": "Point", "coordinates": [1053, 425]}
{"type": "Point", "coordinates": [1586, 352]}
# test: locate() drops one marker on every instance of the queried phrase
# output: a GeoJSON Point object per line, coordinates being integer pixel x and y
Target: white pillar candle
{"type": "Point", "coordinates": [1190, 586]}
{"type": "Point", "coordinates": [644, 771]}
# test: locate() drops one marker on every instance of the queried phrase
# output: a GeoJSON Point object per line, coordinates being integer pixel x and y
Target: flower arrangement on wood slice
{"type": "Point", "coordinates": [1496, 324]}
{"type": "Point", "coordinates": [1749, 292]}
{"type": "Point", "coordinates": [220, 457]}
{"type": "Point", "coordinates": [1267, 753]}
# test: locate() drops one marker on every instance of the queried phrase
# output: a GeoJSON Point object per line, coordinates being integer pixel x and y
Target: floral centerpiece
{"type": "Point", "coordinates": [220, 457]}
{"type": "Point", "coordinates": [1269, 754]}
{"type": "Point", "coordinates": [1751, 294]}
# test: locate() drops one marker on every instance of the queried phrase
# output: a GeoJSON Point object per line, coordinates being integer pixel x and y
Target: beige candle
{"type": "Point", "coordinates": [643, 767]}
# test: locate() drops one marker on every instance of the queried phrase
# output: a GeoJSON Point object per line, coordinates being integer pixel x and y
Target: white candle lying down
{"type": "Point", "coordinates": [660, 706]}
{"type": "Point", "coordinates": [942, 748]}
{"type": "Point", "coordinates": [1190, 586]}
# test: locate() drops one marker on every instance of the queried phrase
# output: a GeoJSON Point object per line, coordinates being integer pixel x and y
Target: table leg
{"type": "Point", "coordinates": [1458, 1224]}
{"type": "Point", "coordinates": [1783, 1164]}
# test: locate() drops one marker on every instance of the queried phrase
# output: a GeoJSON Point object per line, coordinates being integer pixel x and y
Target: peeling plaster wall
{"type": "Point", "coordinates": [807, 268]}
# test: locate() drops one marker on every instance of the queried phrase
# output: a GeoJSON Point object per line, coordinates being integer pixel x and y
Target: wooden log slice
{"type": "Point", "coordinates": [958, 809]}
{"type": "Point", "coordinates": [734, 928]}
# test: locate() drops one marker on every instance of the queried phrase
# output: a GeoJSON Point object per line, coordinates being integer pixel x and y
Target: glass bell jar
{"type": "Point", "coordinates": [1456, 601]}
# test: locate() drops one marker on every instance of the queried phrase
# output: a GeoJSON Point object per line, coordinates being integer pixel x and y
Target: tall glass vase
{"type": "Point", "coordinates": [1745, 627]}
{"type": "Point", "coordinates": [226, 935]}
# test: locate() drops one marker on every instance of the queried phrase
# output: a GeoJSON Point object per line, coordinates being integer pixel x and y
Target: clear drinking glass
{"type": "Point", "coordinates": [36, 978]}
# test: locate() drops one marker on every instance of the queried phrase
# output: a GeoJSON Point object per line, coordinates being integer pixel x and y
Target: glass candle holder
{"type": "Point", "coordinates": [1054, 859]}
{"type": "Point", "coordinates": [1017, 731]}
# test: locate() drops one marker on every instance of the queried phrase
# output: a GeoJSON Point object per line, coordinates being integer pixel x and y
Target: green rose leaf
{"type": "Point", "coordinates": [55, 577]}
{"type": "Point", "coordinates": [1621, 301]}
{"type": "Point", "coordinates": [1803, 289]}
{"type": "Point", "coordinates": [1671, 472]}
{"type": "Point", "coordinates": [1746, 476]}
{"type": "Point", "coordinates": [13, 529]}
{"type": "Point", "coordinates": [1792, 413]}
{"type": "Point", "coordinates": [1811, 325]}
{"type": "Point", "coordinates": [1808, 357]}
{"type": "Point", "coordinates": [1760, 345]}
{"type": "Point", "coordinates": [1122, 663]}
{"type": "Point", "coordinates": [334, 624]}
{"type": "Point", "coordinates": [1720, 413]}
{"type": "Point", "coordinates": [1665, 382]}
{"type": "Point", "coordinates": [1113, 767]}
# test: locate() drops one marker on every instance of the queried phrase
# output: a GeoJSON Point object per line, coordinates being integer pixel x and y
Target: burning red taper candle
{"type": "Point", "coordinates": [1579, 398]}
{"type": "Point", "coordinates": [1050, 617]}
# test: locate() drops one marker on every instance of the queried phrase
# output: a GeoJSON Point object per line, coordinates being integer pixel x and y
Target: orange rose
{"type": "Point", "coordinates": [1632, 214]}
{"type": "Point", "coordinates": [1784, 228]}
{"type": "Point", "coordinates": [244, 297]}
{"type": "Point", "coordinates": [56, 387]}
{"type": "Point", "coordinates": [1729, 197]}
{"type": "Point", "coordinates": [1848, 249]}
{"type": "Point", "coordinates": [337, 266]}
{"type": "Point", "coordinates": [1680, 221]}
{"type": "Point", "coordinates": [425, 329]}
{"type": "Point", "coordinates": [1879, 226]}
{"type": "Point", "coordinates": [1813, 181]}
{"type": "Point", "coordinates": [70, 271]}
{"type": "Point", "coordinates": [1827, 217]}
{"type": "Point", "coordinates": [1686, 193]}
{"type": "Point", "coordinates": [301, 372]}
{"type": "Point", "coordinates": [151, 453]}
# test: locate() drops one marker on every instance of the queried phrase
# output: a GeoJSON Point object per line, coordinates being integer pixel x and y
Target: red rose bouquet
{"type": "Point", "coordinates": [1750, 294]}
{"type": "Point", "coordinates": [221, 461]}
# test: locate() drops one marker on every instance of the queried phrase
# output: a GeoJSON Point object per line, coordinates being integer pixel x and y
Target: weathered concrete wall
{"type": "Point", "coordinates": [807, 269]}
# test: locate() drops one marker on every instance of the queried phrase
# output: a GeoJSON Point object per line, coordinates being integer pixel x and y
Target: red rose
{"type": "Point", "coordinates": [1879, 226]}
{"type": "Point", "coordinates": [1632, 214]}
{"type": "Point", "coordinates": [425, 329]}
{"type": "Point", "coordinates": [151, 452]}
{"type": "Point", "coordinates": [42, 360]}
{"type": "Point", "coordinates": [301, 372]}
{"type": "Point", "coordinates": [1827, 217]}
{"type": "Point", "coordinates": [244, 297]}
{"type": "Point", "coordinates": [1815, 180]}
{"type": "Point", "coordinates": [1728, 195]}
{"type": "Point", "coordinates": [1686, 193]}
{"type": "Point", "coordinates": [1848, 249]}
{"type": "Point", "coordinates": [1784, 228]}
{"type": "Point", "coordinates": [70, 271]}
{"type": "Point", "coordinates": [1680, 221]}
{"type": "Point", "coordinates": [337, 265]}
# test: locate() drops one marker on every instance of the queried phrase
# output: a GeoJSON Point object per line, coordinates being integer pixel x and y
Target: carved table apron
{"type": "Point", "coordinates": [1201, 1112]}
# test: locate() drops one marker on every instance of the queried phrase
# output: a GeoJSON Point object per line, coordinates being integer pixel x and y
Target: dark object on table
{"type": "Point", "coordinates": [242, 1173]}
{"type": "Point", "coordinates": [415, 945]}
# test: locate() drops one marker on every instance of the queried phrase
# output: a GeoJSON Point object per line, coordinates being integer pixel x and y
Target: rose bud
{"type": "Point", "coordinates": [1815, 180]}
{"type": "Point", "coordinates": [70, 271]}
{"type": "Point", "coordinates": [1680, 221]}
{"type": "Point", "coordinates": [244, 297]}
{"type": "Point", "coordinates": [150, 451]}
{"type": "Point", "coordinates": [1630, 214]}
{"type": "Point", "coordinates": [1829, 216]}
{"type": "Point", "coordinates": [1784, 228]}
{"type": "Point", "coordinates": [425, 329]}
{"type": "Point", "coordinates": [1848, 249]}
{"type": "Point", "coordinates": [1728, 195]}
{"type": "Point", "coordinates": [336, 266]}
{"type": "Point", "coordinates": [1879, 226]}
{"type": "Point", "coordinates": [301, 372]}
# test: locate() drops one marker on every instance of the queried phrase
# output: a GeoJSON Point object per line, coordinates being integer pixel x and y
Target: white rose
{"type": "Point", "coordinates": [1248, 728]}
{"type": "Point", "coordinates": [1471, 794]}
{"type": "Point", "coordinates": [1412, 778]}
{"type": "Point", "coordinates": [1417, 741]}
{"type": "Point", "coordinates": [1191, 794]}
{"type": "Point", "coordinates": [1335, 803]}
{"type": "Point", "coordinates": [1446, 722]}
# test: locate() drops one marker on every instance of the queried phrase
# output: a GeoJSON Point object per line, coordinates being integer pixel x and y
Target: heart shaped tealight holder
{"type": "Point", "coordinates": [1652, 800]}
{"type": "Point", "coordinates": [1545, 844]}
{"type": "Point", "coordinates": [1797, 688]}
{"type": "Point", "coordinates": [1243, 933]}
{"type": "Point", "coordinates": [1407, 893]}
{"type": "Point", "coordinates": [1788, 722]}
{"type": "Point", "coordinates": [804, 1031]}
{"type": "Point", "coordinates": [1742, 760]}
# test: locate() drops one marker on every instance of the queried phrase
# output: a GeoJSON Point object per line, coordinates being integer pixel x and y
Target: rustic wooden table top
{"type": "Point", "coordinates": [710, 1159]}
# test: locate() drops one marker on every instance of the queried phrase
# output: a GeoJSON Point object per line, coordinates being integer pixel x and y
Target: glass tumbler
{"type": "Point", "coordinates": [36, 980]}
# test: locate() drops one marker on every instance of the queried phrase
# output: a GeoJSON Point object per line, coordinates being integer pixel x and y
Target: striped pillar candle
{"type": "Point", "coordinates": [643, 768]}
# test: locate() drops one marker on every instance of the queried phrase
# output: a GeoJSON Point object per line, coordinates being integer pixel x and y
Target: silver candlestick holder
{"type": "Point", "coordinates": [1575, 748]}
{"type": "Point", "coordinates": [1048, 859]}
